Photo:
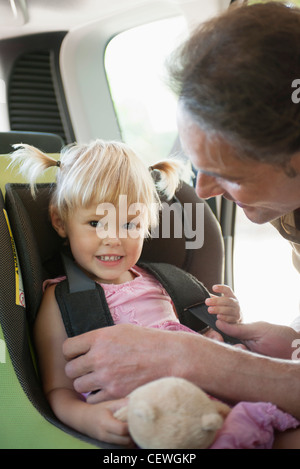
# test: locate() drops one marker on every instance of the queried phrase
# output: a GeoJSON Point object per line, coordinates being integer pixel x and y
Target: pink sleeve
{"type": "Point", "coordinates": [251, 425]}
{"type": "Point", "coordinates": [52, 281]}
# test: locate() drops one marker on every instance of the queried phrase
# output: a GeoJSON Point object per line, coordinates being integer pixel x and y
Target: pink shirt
{"type": "Point", "coordinates": [142, 301]}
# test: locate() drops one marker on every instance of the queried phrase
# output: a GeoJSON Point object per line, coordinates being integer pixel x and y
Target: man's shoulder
{"type": "Point", "coordinates": [289, 226]}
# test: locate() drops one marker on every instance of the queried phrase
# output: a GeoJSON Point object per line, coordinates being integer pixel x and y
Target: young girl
{"type": "Point", "coordinates": [98, 186]}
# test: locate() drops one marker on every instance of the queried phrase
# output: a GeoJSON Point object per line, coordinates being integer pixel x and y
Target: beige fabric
{"type": "Point", "coordinates": [286, 226]}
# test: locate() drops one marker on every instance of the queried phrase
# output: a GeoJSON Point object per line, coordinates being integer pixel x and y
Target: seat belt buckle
{"type": "Point", "coordinates": [201, 312]}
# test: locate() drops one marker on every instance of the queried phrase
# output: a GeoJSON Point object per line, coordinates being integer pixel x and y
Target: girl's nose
{"type": "Point", "coordinates": [111, 240]}
{"type": "Point", "coordinates": [207, 186]}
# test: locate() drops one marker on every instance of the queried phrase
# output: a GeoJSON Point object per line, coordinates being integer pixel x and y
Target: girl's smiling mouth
{"type": "Point", "coordinates": [107, 258]}
{"type": "Point", "coordinates": [110, 260]}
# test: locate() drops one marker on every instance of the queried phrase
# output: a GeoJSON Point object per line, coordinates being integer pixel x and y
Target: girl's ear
{"type": "Point", "coordinates": [57, 222]}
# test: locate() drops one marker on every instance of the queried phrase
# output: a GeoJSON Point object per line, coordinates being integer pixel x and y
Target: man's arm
{"type": "Point", "coordinates": [118, 359]}
{"type": "Point", "coordinates": [264, 338]}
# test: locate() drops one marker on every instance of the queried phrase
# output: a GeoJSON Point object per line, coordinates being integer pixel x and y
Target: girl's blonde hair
{"type": "Point", "coordinates": [100, 172]}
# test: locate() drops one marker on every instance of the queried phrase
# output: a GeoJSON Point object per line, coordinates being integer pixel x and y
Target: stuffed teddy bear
{"type": "Point", "coordinates": [172, 413]}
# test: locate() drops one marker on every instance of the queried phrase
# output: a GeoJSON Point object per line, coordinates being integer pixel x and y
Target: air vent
{"type": "Point", "coordinates": [33, 103]}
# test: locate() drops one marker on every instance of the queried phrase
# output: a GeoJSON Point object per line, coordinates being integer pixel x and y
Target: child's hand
{"type": "Point", "coordinates": [226, 307]}
{"type": "Point", "coordinates": [105, 427]}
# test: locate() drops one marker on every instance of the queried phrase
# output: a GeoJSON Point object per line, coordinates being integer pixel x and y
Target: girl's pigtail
{"type": "Point", "coordinates": [31, 163]}
{"type": "Point", "coordinates": [170, 173]}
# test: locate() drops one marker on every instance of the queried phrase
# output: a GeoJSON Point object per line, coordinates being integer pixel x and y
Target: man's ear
{"type": "Point", "coordinates": [57, 222]}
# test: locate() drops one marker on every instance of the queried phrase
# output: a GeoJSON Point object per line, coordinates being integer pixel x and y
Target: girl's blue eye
{"type": "Point", "coordinates": [95, 223]}
{"type": "Point", "coordinates": [129, 226]}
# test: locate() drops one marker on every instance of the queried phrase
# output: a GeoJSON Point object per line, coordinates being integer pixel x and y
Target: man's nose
{"type": "Point", "coordinates": [208, 186]}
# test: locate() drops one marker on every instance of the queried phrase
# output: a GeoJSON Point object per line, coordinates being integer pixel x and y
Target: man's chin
{"type": "Point", "coordinates": [260, 216]}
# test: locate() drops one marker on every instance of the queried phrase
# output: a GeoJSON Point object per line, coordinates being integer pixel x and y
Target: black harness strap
{"type": "Point", "coordinates": [84, 307]}
{"type": "Point", "coordinates": [82, 302]}
{"type": "Point", "coordinates": [82, 311]}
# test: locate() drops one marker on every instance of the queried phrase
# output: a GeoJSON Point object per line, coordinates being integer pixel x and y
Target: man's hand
{"type": "Point", "coordinates": [113, 361]}
{"type": "Point", "coordinates": [263, 338]}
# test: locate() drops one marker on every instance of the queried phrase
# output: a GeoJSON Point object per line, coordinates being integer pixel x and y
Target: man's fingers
{"type": "Point", "coordinates": [75, 346]}
{"type": "Point", "coordinates": [98, 396]}
{"type": "Point", "coordinates": [77, 367]}
{"type": "Point", "coordinates": [239, 331]}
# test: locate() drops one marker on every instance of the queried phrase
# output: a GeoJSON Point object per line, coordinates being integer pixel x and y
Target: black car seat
{"type": "Point", "coordinates": [49, 143]}
{"type": "Point", "coordinates": [26, 419]}
{"type": "Point", "coordinates": [31, 253]}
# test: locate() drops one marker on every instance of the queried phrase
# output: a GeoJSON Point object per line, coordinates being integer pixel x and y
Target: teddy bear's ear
{"type": "Point", "coordinates": [145, 411]}
{"type": "Point", "coordinates": [222, 408]}
{"type": "Point", "coordinates": [211, 422]}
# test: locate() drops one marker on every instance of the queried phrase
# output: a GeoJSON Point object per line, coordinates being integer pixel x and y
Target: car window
{"type": "Point", "coordinates": [144, 105]}
{"type": "Point", "coordinates": [263, 266]}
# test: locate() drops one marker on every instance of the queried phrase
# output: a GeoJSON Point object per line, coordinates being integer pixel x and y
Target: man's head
{"type": "Point", "coordinates": [236, 118]}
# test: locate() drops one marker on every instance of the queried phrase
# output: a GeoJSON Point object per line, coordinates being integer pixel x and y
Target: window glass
{"type": "Point", "coordinates": [265, 280]}
{"type": "Point", "coordinates": [144, 104]}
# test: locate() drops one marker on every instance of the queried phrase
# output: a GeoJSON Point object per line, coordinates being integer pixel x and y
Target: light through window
{"type": "Point", "coordinates": [144, 104]}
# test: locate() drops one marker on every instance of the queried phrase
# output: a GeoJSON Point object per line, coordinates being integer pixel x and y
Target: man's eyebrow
{"type": "Point", "coordinates": [218, 175]}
